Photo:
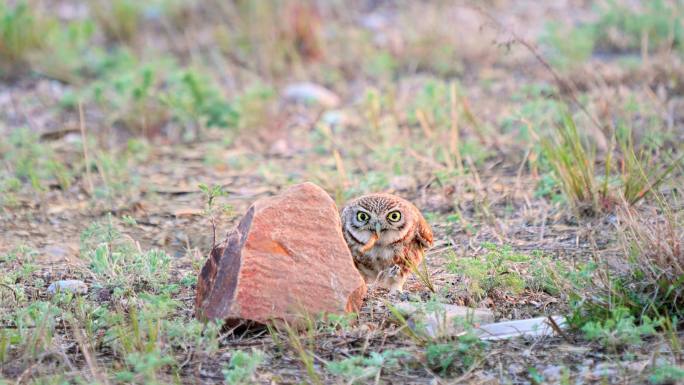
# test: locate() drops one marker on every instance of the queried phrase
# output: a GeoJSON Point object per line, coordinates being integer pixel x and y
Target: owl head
{"type": "Point", "coordinates": [389, 217]}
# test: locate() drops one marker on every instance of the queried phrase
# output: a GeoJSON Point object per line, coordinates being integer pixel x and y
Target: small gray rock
{"type": "Point", "coordinates": [552, 372]}
{"type": "Point", "coordinates": [311, 93]}
{"type": "Point", "coordinates": [516, 369]}
{"type": "Point", "coordinates": [68, 286]}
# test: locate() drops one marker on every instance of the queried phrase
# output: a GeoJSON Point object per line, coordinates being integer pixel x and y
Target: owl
{"type": "Point", "coordinates": [387, 236]}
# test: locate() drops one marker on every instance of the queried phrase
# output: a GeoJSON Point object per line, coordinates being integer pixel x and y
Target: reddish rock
{"type": "Point", "coordinates": [285, 258]}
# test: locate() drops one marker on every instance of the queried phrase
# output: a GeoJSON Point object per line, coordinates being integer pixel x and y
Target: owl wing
{"type": "Point", "coordinates": [412, 254]}
{"type": "Point", "coordinates": [424, 233]}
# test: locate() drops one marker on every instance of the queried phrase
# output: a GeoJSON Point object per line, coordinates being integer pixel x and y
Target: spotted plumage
{"type": "Point", "coordinates": [387, 236]}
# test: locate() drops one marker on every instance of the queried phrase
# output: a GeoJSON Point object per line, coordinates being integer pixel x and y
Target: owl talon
{"type": "Point", "coordinates": [394, 271]}
{"type": "Point", "coordinates": [397, 288]}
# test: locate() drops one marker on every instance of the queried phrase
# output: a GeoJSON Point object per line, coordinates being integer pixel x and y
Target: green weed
{"type": "Point", "coordinates": [537, 111]}
{"type": "Point", "coordinates": [141, 328]}
{"type": "Point", "coordinates": [443, 114]}
{"type": "Point", "coordinates": [653, 247]}
{"type": "Point", "coordinates": [573, 166]}
{"type": "Point", "coordinates": [242, 367]}
{"type": "Point", "coordinates": [32, 40]}
{"type": "Point", "coordinates": [569, 46]}
{"type": "Point", "coordinates": [118, 260]}
{"type": "Point", "coordinates": [9, 187]}
{"type": "Point", "coordinates": [503, 270]}
{"type": "Point", "coordinates": [21, 264]}
{"type": "Point", "coordinates": [381, 64]}
{"type": "Point", "coordinates": [332, 322]}
{"type": "Point", "coordinates": [158, 97]}
{"type": "Point", "coordinates": [187, 334]}
{"type": "Point", "coordinates": [455, 357]}
{"type": "Point", "coordinates": [536, 377]}
{"type": "Point", "coordinates": [131, 97]}
{"type": "Point", "coordinates": [197, 104]}
{"type": "Point", "coordinates": [640, 174]}
{"type": "Point", "coordinates": [360, 369]}
{"type": "Point", "coordinates": [573, 163]}
{"type": "Point", "coordinates": [654, 23]}
{"type": "Point", "coordinates": [212, 210]}
{"type": "Point", "coordinates": [620, 329]}
{"type": "Point", "coordinates": [116, 171]}
{"type": "Point", "coordinates": [144, 367]}
{"type": "Point", "coordinates": [666, 374]}
{"type": "Point", "coordinates": [640, 298]}
{"type": "Point", "coordinates": [65, 55]}
{"type": "Point", "coordinates": [548, 187]}
{"type": "Point", "coordinates": [118, 19]}
{"type": "Point", "coordinates": [32, 332]}
{"type": "Point", "coordinates": [22, 33]}
{"type": "Point", "coordinates": [648, 26]}
{"type": "Point", "coordinates": [33, 162]}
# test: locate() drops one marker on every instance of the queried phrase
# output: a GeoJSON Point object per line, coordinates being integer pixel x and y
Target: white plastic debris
{"type": "Point", "coordinates": [533, 327]}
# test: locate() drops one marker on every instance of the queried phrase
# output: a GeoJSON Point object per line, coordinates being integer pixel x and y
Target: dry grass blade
{"type": "Point", "coordinates": [81, 339]}
{"type": "Point", "coordinates": [421, 271]}
{"type": "Point", "coordinates": [84, 140]}
{"type": "Point", "coordinates": [403, 324]}
{"type": "Point", "coordinates": [647, 183]}
{"type": "Point", "coordinates": [653, 244]}
{"type": "Point", "coordinates": [305, 356]}
{"type": "Point", "coordinates": [658, 241]}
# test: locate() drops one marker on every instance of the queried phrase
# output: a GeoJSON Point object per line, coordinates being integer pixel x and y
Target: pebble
{"type": "Point", "coordinates": [604, 370]}
{"type": "Point", "coordinates": [69, 285]}
{"type": "Point", "coordinates": [516, 369]}
{"type": "Point", "coordinates": [311, 93]}
{"type": "Point", "coordinates": [552, 373]}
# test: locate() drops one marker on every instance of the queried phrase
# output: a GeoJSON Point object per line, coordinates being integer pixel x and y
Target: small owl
{"type": "Point", "coordinates": [387, 236]}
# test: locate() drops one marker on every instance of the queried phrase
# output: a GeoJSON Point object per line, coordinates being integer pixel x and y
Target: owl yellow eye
{"type": "Point", "coordinates": [362, 217]}
{"type": "Point", "coordinates": [394, 216]}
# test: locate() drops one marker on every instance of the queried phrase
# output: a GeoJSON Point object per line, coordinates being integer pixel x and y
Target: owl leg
{"type": "Point", "coordinates": [396, 279]}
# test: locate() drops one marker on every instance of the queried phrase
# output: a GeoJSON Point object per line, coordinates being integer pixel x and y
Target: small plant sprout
{"type": "Point", "coordinates": [361, 370]}
{"type": "Point", "coordinates": [242, 367]}
{"type": "Point", "coordinates": [211, 210]}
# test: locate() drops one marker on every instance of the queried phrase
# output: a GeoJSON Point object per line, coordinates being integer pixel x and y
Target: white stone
{"type": "Point", "coordinates": [68, 286]}
{"type": "Point", "coordinates": [311, 93]}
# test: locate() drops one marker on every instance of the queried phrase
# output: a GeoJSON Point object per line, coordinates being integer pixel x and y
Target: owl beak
{"type": "Point", "coordinates": [378, 229]}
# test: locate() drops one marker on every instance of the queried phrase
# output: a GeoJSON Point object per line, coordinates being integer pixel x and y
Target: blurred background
{"type": "Point", "coordinates": [369, 88]}
{"type": "Point", "coordinates": [120, 104]}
